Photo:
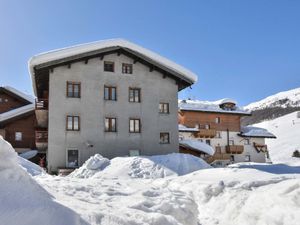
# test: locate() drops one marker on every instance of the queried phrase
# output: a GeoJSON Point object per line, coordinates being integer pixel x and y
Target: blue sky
{"type": "Point", "coordinates": [244, 50]}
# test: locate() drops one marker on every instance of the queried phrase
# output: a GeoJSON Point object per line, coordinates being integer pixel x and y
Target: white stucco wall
{"type": "Point", "coordinates": [249, 149]}
{"type": "Point", "coordinates": [92, 109]}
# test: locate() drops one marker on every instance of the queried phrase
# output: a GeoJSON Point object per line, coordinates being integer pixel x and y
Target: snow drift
{"type": "Point", "coordinates": [23, 201]}
{"type": "Point", "coordinates": [140, 167]}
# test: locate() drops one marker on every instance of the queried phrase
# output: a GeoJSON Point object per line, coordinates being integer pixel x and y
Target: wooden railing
{"type": "Point", "coordinates": [218, 156]}
{"type": "Point", "coordinates": [234, 149]}
{"type": "Point", "coordinates": [260, 147]}
{"type": "Point", "coordinates": [210, 133]}
{"type": "Point", "coordinates": [41, 104]}
{"type": "Point", "coordinates": [41, 136]}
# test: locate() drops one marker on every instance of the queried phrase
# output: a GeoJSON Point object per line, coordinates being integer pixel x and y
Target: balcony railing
{"type": "Point", "coordinates": [41, 136]}
{"type": "Point", "coordinates": [41, 104]}
{"type": "Point", "coordinates": [210, 133]}
{"type": "Point", "coordinates": [234, 149]}
{"type": "Point", "coordinates": [218, 156]}
{"type": "Point", "coordinates": [260, 147]}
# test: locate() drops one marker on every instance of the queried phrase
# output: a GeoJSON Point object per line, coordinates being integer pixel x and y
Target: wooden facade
{"type": "Point", "coordinates": [8, 101]}
{"type": "Point", "coordinates": [229, 121]}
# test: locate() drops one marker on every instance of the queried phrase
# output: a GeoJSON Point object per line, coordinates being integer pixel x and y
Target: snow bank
{"type": "Point", "coordinates": [93, 165]}
{"type": "Point", "coordinates": [29, 167]}
{"type": "Point", "coordinates": [22, 200]}
{"type": "Point", "coordinates": [159, 166]}
{"type": "Point", "coordinates": [198, 146]}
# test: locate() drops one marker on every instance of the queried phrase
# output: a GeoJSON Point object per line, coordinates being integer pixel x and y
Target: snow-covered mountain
{"type": "Point", "coordinates": [287, 131]}
{"type": "Point", "coordinates": [283, 99]}
{"type": "Point", "coordinates": [273, 106]}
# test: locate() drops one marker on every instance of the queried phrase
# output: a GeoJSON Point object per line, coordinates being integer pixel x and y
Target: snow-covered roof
{"type": "Point", "coordinates": [197, 146]}
{"type": "Point", "coordinates": [19, 93]}
{"type": "Point", "coordinates": [209, 106]}
{"type": "Point", "coordinates": [257, 132]}
{"type": "Point", "coordinates": [187, 129]}
{"type": "Point", "coordinates": [16, 112]}
{"type": "Point", "coordinates": [227, 100]}
{"type": "Point", "coordinates": [107, 45]}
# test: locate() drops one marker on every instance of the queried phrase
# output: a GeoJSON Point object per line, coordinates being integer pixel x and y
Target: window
{"type": "Point", "coordinates": [247, 158]}
{"type": "Point", "coordinates": [127, 68]}
{"type": "Point", "coordinates": [72, 158]}
{"type": "Point", "coordinates": [110, 125]}
{"type": "Point", "coordinates": [232, 158]}
{"type": "Point", "coordinates": [134, 95]}
{"type": "Point", "coordinates": [247, 142]}
{"type": "Point", "coordinates": [207, 142]}
{"type": "Point", "coordinates": [231, 142]}
{"type": "Point", "coordinates": [218, 120]}
{"type": "Point", "coordinates": [207, 126]}
{"type": "Point", "coordinates": [73, 89]}
{"type": "Point", "coordinates": [164, 108]}
{"type": "Point", "coordinates": [110, 93]}
{"type": "Point", "coordinates": [218, 134]}
{"type": "Point", "coordinates": [134, 125]}
{"type": "Point", "coordinates": [18, 136]}
{"type": "Point", "coordinates": [164, 138]}
{"type": "Point", "coordinates": [73, 123]}
{"type": "Point", "coordinates": [134, 152]}
{"type": "Point", "coordinates": [109, 66]}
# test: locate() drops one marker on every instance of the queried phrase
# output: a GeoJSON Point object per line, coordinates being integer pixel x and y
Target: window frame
{"type": "Point", "coordinates": [109, 63]}
{"type": "Point", "coordinates": [247, 141]}
{"type": "Point", "coordinates": [73, 123]}
{"type": "Point", "coordinates": [160, 138]}
{"type": "Point", "coordinates": [139, 127]}
{"type": "Point", "coordinates": [110, 93]}
{"type": "Point", "coordinates": [21, 136]}
{"type": "Point", "coordinates": [218, 120]}
{"type": "Point", "coordinates": [109, 129]}
{"type": "Point", "coordinates": [73, 84]}
{"type": "Point", "coordinates": [134, 96]}
{"type": "Point", "coordinates": [134, 150]}
{"type": "Point", "coordinates": [249, 158]}
{"type": "Point", "coordinates": [67, 157]}
{"type": "Point", "coordinates": [124, 66]}
{"type": "Point", "coordinates": [163, 104]}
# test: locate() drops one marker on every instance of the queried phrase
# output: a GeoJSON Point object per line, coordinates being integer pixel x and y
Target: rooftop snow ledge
{"type": "Point", "coordinates": [110, 43]}
{"type": "Point", "coordinates": [251, 131]}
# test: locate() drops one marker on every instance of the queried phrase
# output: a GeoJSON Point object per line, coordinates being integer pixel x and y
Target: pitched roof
{"type": "Point", "coordinates": [256, 132]}
{"type": "Point", "coordinates": [53, 57]}
{"type": "Point", "coordinates": [18, 93]}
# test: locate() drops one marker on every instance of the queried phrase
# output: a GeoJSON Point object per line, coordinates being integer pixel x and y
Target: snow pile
{"type": "Point", "coordinates": [147, 167]}
{"type": "Point", "coordinates": [187, 129]}
{"type": "Point", "coordinates": [287, 131]}
{"type": "Point", "coordinates": [197, 146]}
{"type": "Point", "coordinates": [22, 200]}
{"type": "Point", "coordinates": [93, 165]}
{"type": "Point", "coordinates": [251, 131]}
{"type": "Point", "coordinates": [208, 106]}
{"type": "Point", "coordinates": [31, 168]}
{"type": "Point", "coordinates": [284, 99]}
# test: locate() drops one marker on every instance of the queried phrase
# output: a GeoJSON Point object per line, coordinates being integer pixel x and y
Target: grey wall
{"type": "Point", "coordinates": [92, 110]}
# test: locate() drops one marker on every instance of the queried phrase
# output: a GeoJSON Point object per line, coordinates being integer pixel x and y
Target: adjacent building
{"type": "Point", "coordinates": [218, 124]}
{"type": "Point", "coordinates": [110, 97]}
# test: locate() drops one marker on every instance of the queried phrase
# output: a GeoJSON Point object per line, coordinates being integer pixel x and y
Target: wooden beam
{"type": "Point", "coordinates": [135, 61]}
{"type": "Point", "coordinates": [101, 57]}
{"type": "Point", "coordinates": [51, 70]}
{"type": "Point", "coordinates": [151, 68]}
{"type": "Point", "coordinates": [86, 61]}
{"type": "Point", "coordinates": [164, 76]}
{"type": "Point", "coordinates": [69, 65]}
{"type": "Point", "coordinates": [119, 53]}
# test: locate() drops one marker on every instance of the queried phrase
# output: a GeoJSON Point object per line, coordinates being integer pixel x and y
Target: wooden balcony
{"type": "Point", "coordinates": [41, 112]}
{"type": "Point", "coordinates": [41, 139]}
{"type": "Point", "coordinates": [260, 147]}
{"type": "Point", "coordinates": [234, 149]}
{"type": "Point", "coordinates": [206, 133]}
{"type": "Point", "coordinates": [218, 156]}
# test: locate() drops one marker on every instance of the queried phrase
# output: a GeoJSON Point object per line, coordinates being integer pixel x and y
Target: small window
{"type": "Point", "coordinates": [134, 152]}
{"type": "Point", "coordinates": [232, 158]}
{"type": "Point", "coordinates": [247, 141]}
{"type": "Point", "coordinates": [73, 123]}
{"type": "Point", "coordinates": [110, 93]}
{"type": "Point", "coordinates": [134, 125]}
{"type": "Point", "coordinates": [72, 158]}
{"type": "Point", "coordinates": [73, 89]}
{"type": "Point", "coordinates": [134, 95]}
{"type": "Point", "coordinates": [127, 68]}
{"type": "Point", "coordinates": [18, 136]}
{"type": "Point", "coordinates": [164, 138]}
{"type": "Point", "coordinates": [218, 120]}
{"type": "Point", "coordinates": [247, 158]}
{"type": "Point", "coordinates": [207, 142]}
{"type": "Point", "coordinates": [109, 66]}
{"type": "Point", "coordinates": [207, 126]}
{"type": "Point", "coordinates": [164, 108]}
{"type": "Point", "coordinates": [110, 125]}
{"type": "Point", "coordinates": [231, 142]}
{"type": "Point", "coordinates": [218, 134]}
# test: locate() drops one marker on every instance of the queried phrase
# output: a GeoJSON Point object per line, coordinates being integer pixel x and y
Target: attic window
{"type": "Point", "coordinates": [109, 66]}
{"type": "Point", "coordinates": [126, 68]}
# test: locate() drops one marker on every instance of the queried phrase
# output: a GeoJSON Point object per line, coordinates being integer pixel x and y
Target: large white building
{"type": "Point", "coordinates": [218, 124]}
{"type": "Point", "coordinates": [110, 97]}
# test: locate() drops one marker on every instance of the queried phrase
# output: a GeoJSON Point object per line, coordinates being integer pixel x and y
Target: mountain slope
{"type": "Point", "coordinates": [287, 131]}
{"type": "Point", "coordinates": [273, 106]}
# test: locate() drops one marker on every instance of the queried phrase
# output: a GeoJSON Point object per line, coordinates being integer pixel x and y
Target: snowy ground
{"type": "Point", "coordinates": [245, 193]}
{"type": "Point", "coordinates": [287, 131]}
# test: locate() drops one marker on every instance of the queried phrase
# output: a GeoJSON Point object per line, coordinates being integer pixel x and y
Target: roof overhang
{"type": "Point", "coordinates": [77, 53]}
